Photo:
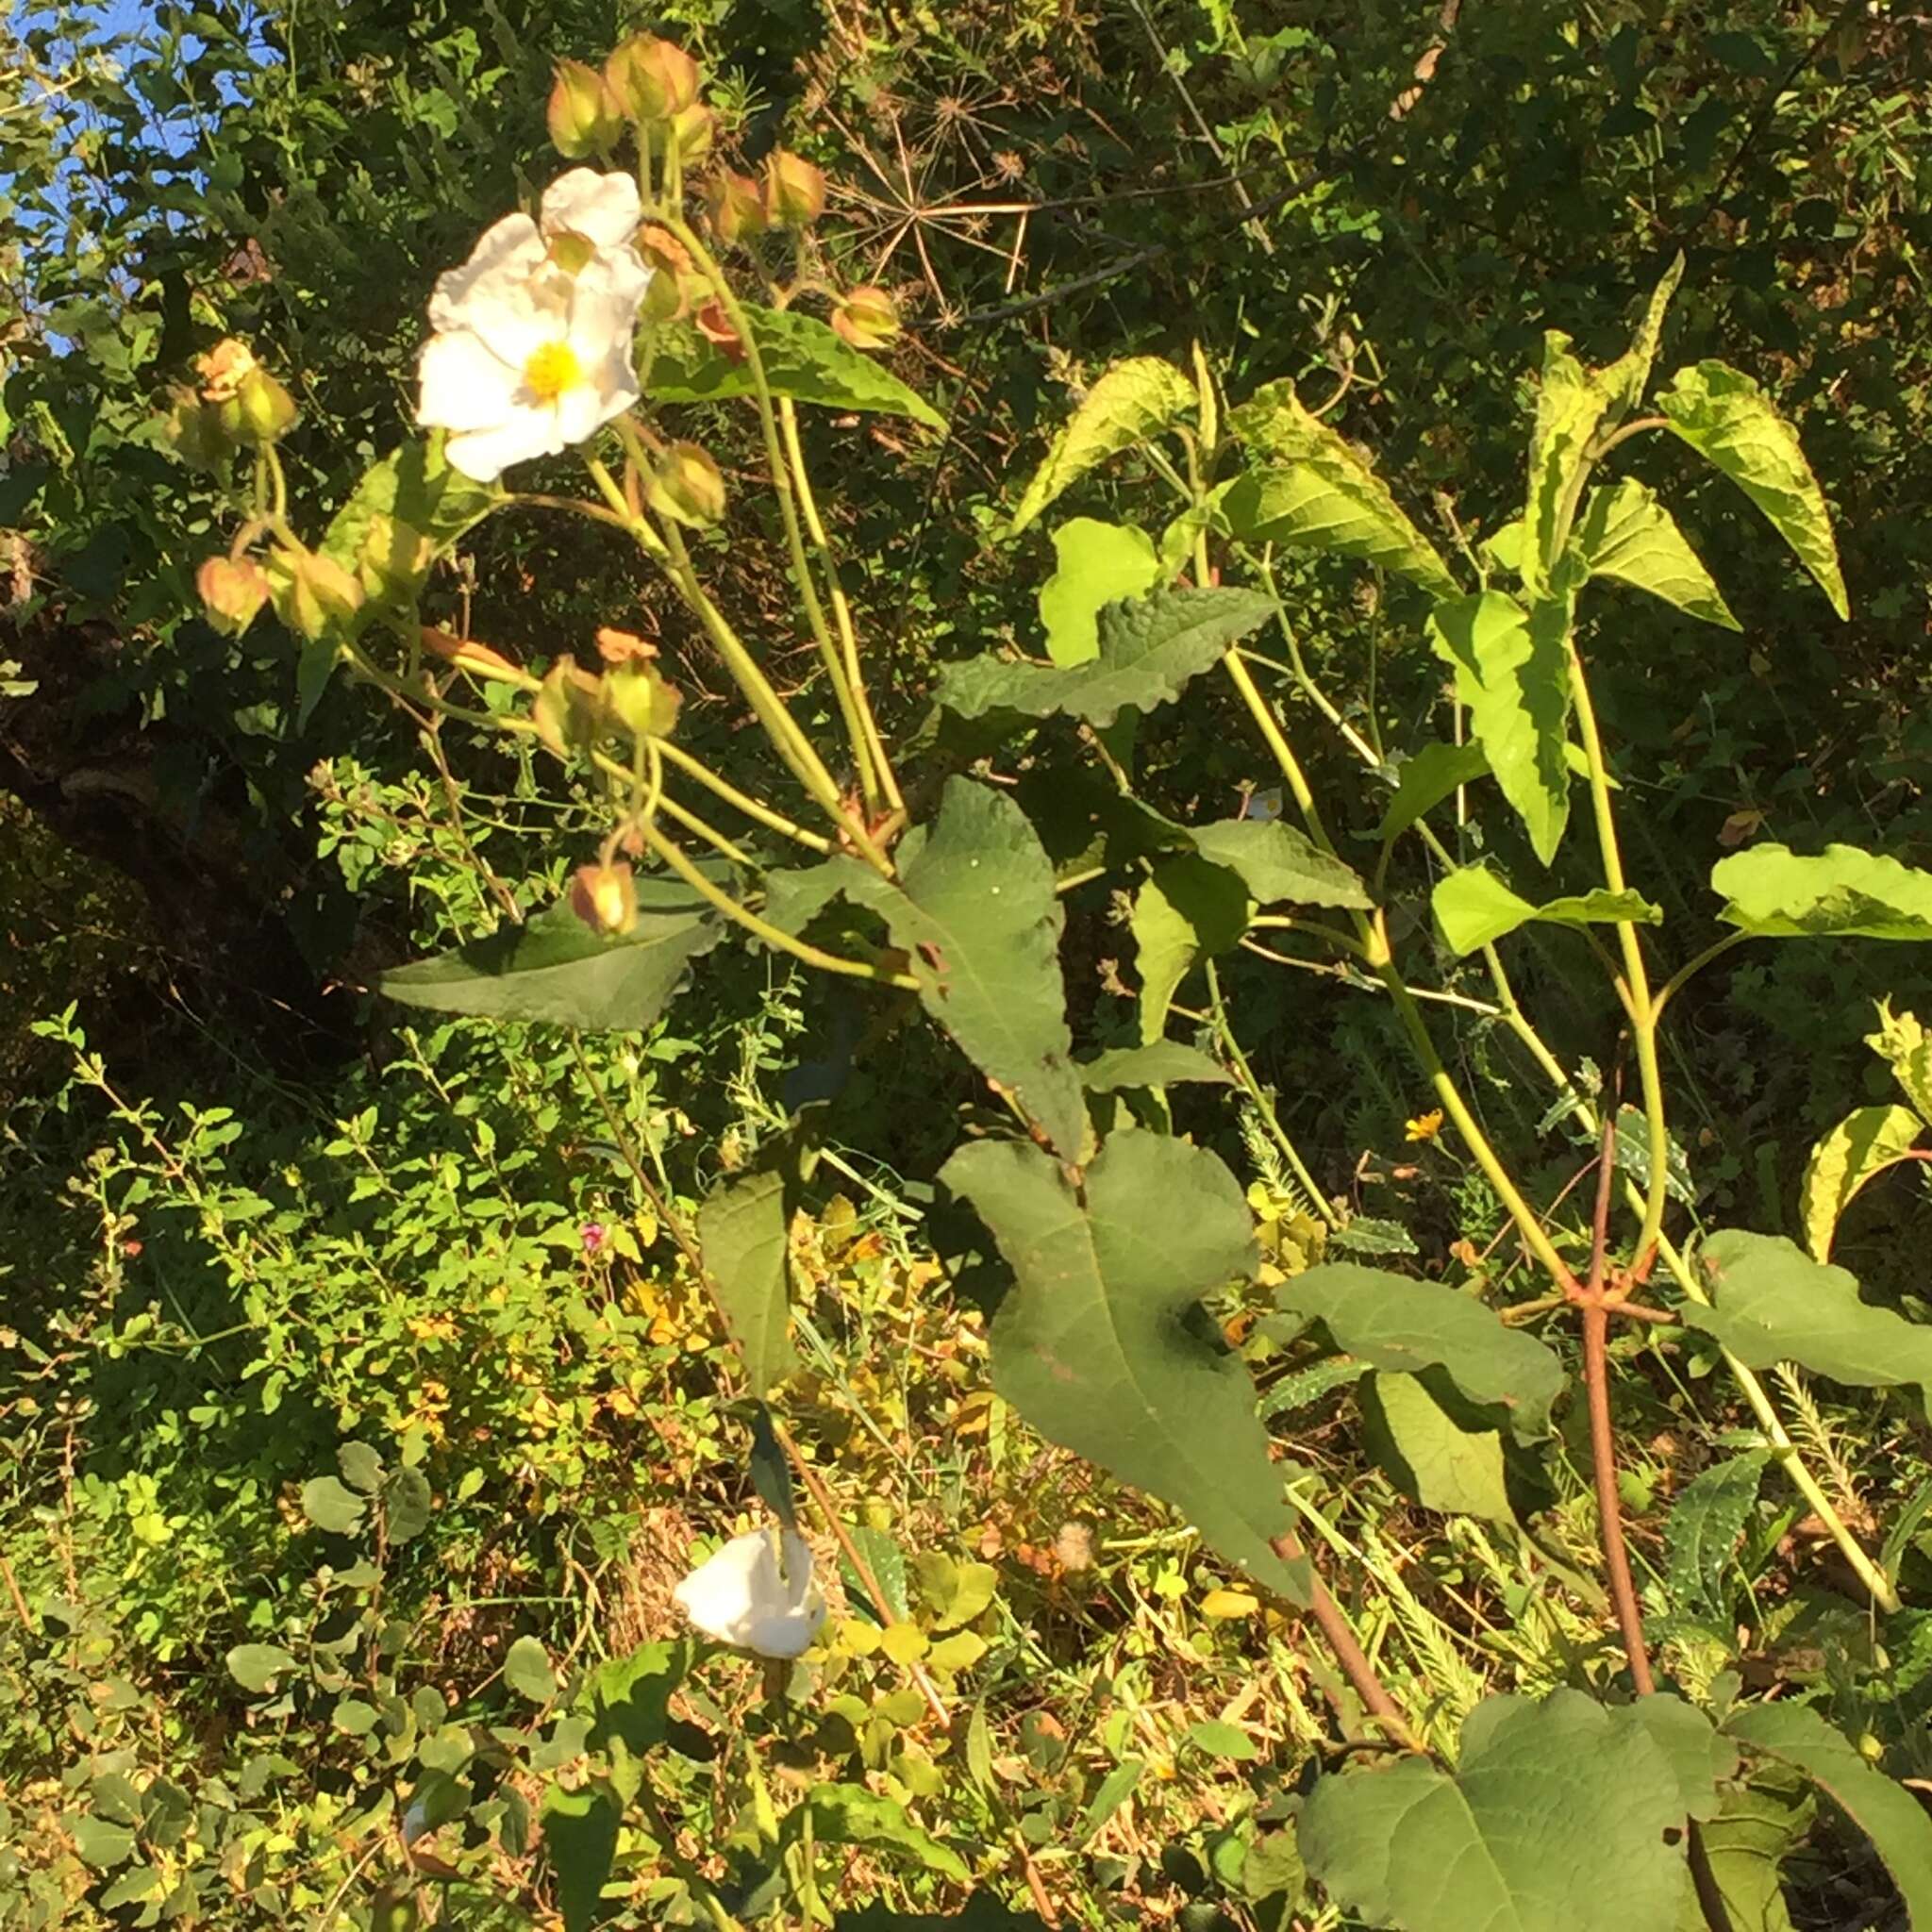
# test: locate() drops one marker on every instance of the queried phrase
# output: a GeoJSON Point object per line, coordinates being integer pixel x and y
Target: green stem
{"type": "Point", "coordinates": [1688, 972]}
{"type": "Point", "coordinates": [1636, 978]}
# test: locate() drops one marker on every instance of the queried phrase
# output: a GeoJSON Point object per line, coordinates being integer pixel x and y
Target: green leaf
{"type": "Point", "coordinates": [132, 1887]}
{"type": "Point", "coordinates": [1568, 406]}
{"type": "Point", "coordinates": [1702, 1532]}
{"type": "Point", "coordinates": [743, 1234]}
{"type": "Point", "coordinates": [1431, 1455]}
{"type": "Point", "coordinates": [527, 1671]}
{"type": "Point", "coordinates": [1905, 1046]}
{"type": "Point", "coordinates": [557, 969]}
{"type": "Point", "coordinates": [1555, 1817]}
{"type": "Point", "coordinates": [1099, 563]}
{"type": "Point", "coordinates": [977, 915]}
{"type": "Point", "coordinates": [1116, 1788]}
{"type": "Point", "coordinates": [1159, 1064]}
{"type": "Point", "coordinates": [886, 1562]}
{"type": "Point", "coordinates": [581, 1840]}
{"type": "Point", "coordinates": [354, 1717]}
{"type": "Point", "coordinates": [1220, 1740]}
{"type": "Point", "coordinates": [1402, 1325]}
{"type": "Point", "coordinates": [1148, 651]}
{"type": "Point", "coordinates": [1759, 1823]}
{"type": "Point", "coordinates": [361, 1467]}
{"type": "Point", "coordinates": [255, 1666]}
{"type": "Point", "coordinates": [1796, 1734]}
{"type": "Point", "coordinates": [632, 1696]}
{"type": "Point", "coordinates": [804, 358]}
{"type": "Point", "coordinates": [100, 1845]}
{"type": "Point", "coordinates": [1475, 909]}
{"type": "Point", "coordinates": [415, 487]}
{"type": "Point", "coordinates": [1099, 1345]}
{"type": "Point", "coordinates": [1278, 863]}
{"type": "Point", "coordinates": [1774, 1304]}
{"type": "Point", "coordinates": [1626, 380]}
{"type": "Point", "coordinates": [1424, 781]}
{"type": "Point", "coordinates": [1862, 1145]}
{"type": "Point", "coordinates": [1188, 910]}
{"type": "Point", "coordinates": [851, 1815]}
{"type": "Point", "coordinates": [1841, 893]}
{"type": "Point", "coordinates": [1625, 533]}
{"type": "Point", "coordinates": [407, 1504]}
{"type": "Point", "coordinates": [1729, 420]}
{"type": "Point", "coordinates": [1131, 403]}
{"type": "Point", "coordinates": [330, 1505]}
{"type": "Point", "coordinates": [1312, 489]}
{"type": "Point", "coordinates": [1513, 673]}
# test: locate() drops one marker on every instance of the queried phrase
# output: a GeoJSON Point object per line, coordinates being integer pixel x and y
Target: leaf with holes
{"type": "Point", "coordinates": [1889, 1816]}
{"type": "Point", "coordinates": [1512, 671]}
{"type": "Point", "coordinates": [1626, 534]}
{"type": "Point", "coordinates": [1475, 909]}
{"type": "Point", "coordinates": [1097, 563]}
{"type": "Point", "coordinates": [1556, 1815]}
{"type": "Point", "coordinates": [742, 1234]}
{"type": "Point", "coordinates": [1102, 1345]}
{"type": "Point", "coordinates": [1148, 651]}
{"type": "Point", "coordinates": [1310, 488]}
{"type": "Point", "coordinates": [1867, 1141]}
{"type": "Point", "coordinates": [557, 969]}
{"type": "Point", "coordinates": [1402, 1325]}
{"type": "Point", "coordinates": [1130, 404]}
{"type": "Point", "coordinates": [1906, 1048]}
{"type": "Point", "coordinates": [1772, 1303]}
{"type": "Point", "coordinates": [804, 358]}
{"type": "Point", "coordinates": [1842, 892]}
{"type": "Point", "coordinates": [1702, 1531]}
{"type": "Point", "coordinates": [1729, 420]}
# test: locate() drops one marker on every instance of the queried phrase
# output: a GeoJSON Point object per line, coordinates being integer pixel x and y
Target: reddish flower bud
{"type": "Point", "coordinates": [866, 318]}
{"type": "Point", "coordinates": [583, 117]}
{"type": "Point", "coordinates": [714, 325]}
{"type": "Point", "coordinates": [735, 206]}
{"type": "Point", "coordinates": [605, 897]}
{"type": "Point", "coordinates": [794, 190]}
{"type": "Point", "coordinates": [650, 80]}
{"type": "Point", "coordinates": [233, 591]}
{"type": "Point", "coordinates": [688, 485]}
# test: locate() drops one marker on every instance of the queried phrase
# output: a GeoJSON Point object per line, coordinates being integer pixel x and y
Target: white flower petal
{"type": "Point", "coordinates": [604, 209]}
{"type": "Point", "coordinates": [604, 305]}
{"type": "Point", "coordinates": [464, 386]}
{"type": "Point", "coordinates": [483, 455]}
{"type": "Point", "coordinates": [584, 410]}
{"type": "Point", "coordinates": [738, 1596]}
{"type": "Point", "coordinates": [511, 252]}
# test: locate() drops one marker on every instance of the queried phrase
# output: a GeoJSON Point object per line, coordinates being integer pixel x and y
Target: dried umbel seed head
{"type": "Point", "coordinates": [867, 318]}
{"type": "Point", "coordinates": [605, 897]}
{"type": "Point", "coordinates": [583, 117]}
{"type": "Point", "coordinates": [1073, 1548]}
{"type": "Point", "coordinates": [233, 590]}
{"type": "Point", "coordinates": [650, 80]}
{"type": "Point", "coordinates": [312, 594]}
{"type": "Point", "coordinates": [735, 206]}
{"type": "Point", "coordinates": [794, 190]}
{"type": "Point", "coordinates": [689, 485]}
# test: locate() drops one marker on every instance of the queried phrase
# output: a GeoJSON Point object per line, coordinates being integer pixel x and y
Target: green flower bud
{"type": "Point", "coordinates": [866, 318]}
{"type": "Point", "coordinates": [650, 80]}
{"type": "Point", "coordinates": [312, 594]}
{"type": "Point", "coordinates": [693, 131]}
{"type": "Point", "coordinates": [794, 190]}
{"type": "Point", "coordinates": [565, 710]}
{"type": "Point", "coordinates": [233, 590]}
{"type": "Point", "coordinates": [260, 410]}
{"type": "Point", "coordinates": [735, 206]}
{"type": "Point", "coordinates": [688, 485]}
{"type": "Point", "coordinates": [641, 701]}
{"type": "Point", "coordinates": [583, 117]}
{"type": "Point", "coordinates": [394, 561]}
{"type": "Point", "coordinates": [605, 897]}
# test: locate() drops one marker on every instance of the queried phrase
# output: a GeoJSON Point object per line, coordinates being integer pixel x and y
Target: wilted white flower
{"type": "Point", "coordinates": [533, 333]}
{"type": "Point", "coordinates": [741, 1597]}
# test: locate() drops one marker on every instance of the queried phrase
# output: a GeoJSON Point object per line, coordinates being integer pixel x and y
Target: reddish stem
{"type": "Point", "coordinates": [1349, 1653]}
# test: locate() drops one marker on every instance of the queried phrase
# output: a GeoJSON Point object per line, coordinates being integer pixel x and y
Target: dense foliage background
{"type": "Point", "coordinates": [251, 1215]}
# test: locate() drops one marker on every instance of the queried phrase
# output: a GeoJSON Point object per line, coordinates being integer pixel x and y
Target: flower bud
{"type": "Point", "coordinates": [735, 206]}
{"type": "Point", "coordinates": [641, 701]}
{"type": "Point", "coordinates": [313, 594]}
{"type": "Point", "coordinates": [394, 559]}
{"type": "Point", "coordinates": [564, 710]}
{"type": "Point", "coordinates": [670, 263]}
{"type": "Point", "coordinates": [194, 431]}
{"type": "Point", "coordinates": [623, 646]}
{"type": "Point", "coordinates": [794, 190]}
{"type": "Point", "coordinates": [249, 405]}
{"type": "Point", "coordinates": [688, 486]}
{"type": "Point", "coordinates": [715, 325]}
{"type": "Point", "coordinates": [866, 318]}
{"type": "Point", "coordinates": [583, 117]}
{"type": "Point", "coordinates": [467, 654]}
{"type": "Point", "coordinates": [233, 591]}
{"type": "Point", "coordinates": [605, 897]}
{"type": "Point", "coordinates": [693, 132]}
{"type": "Point", "coordinates": [650, 80]}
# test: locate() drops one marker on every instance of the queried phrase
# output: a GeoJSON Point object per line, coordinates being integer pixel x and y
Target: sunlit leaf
{"type": "Point", "coordinates": [1905, 1045]}
{"type": "Point", "coordinates": [1862, 1145]}
{"type": "Point", "coordinates": [742, 1234]}
{"type": "Point", "coordinates": [1310, 488]}
{"type": "Point", "coordinates": [1159, 1064]}
{"type": "Point", "coordinates": [1278, 864]}
{"type": "Point", "coordinates": [1626, 380]}
{"type": "Point", "coordinates": [1570, 404]}
{"type": "Point", "coordinates": [1625, 533]}
{"type": "Point", "coordinates": [1100, 1344]}
{"type": "Point", "coordinates": [1729, 420]}
{"type": "Point", "coordinates": [1475, 909]}
{"type": "Point", "coordinates": [1132, 402]}
{"type": "Point", "coordinates": [1842, 892]}
{"type": "Point", "coordinates": [1440, 1460]}
{"type": "Point", "coordinates": [1187, 911]}
{"type": "Point", "coordinates": [1098, 563]}
{"type": "Point", "coordinates": [851, 1815]}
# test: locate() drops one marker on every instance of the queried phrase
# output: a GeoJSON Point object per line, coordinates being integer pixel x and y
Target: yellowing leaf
{"type": "Point", "coordinates": [904, 1643]}
{"type": "Point", "coordinates": [1230, 1604]}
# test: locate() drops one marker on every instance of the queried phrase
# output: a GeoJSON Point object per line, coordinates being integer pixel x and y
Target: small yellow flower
{"type": "Point", "coordinates": [1425, 1126]}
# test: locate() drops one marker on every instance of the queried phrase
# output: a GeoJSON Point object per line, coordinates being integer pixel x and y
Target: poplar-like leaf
{"type": "Point", "coordinates": [1625, 533]}
{"type": "Point", "coordinates": [1187, 911]}
{"type": "Point", "coordinates": [1131, 403]}
{"type": "Point", "coordinates": [1568, 406]}
{"type": "Point", "coordinates": [1626, 380]}
{"type": "Point", "coordinates": [1101, 1343]}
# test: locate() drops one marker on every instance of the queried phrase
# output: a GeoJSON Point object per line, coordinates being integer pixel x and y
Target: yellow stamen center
{"type": "Point", "coordinates": [552, 370]}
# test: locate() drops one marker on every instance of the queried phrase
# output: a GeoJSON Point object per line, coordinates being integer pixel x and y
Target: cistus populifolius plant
{"type": "Point", "coordinates": [932, 872]}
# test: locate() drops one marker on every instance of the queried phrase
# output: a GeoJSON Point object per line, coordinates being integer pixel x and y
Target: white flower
{"type": "Point", "coordinates": [531, 351]}
{"type": "Point", "coordinates": [739, 1597]}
